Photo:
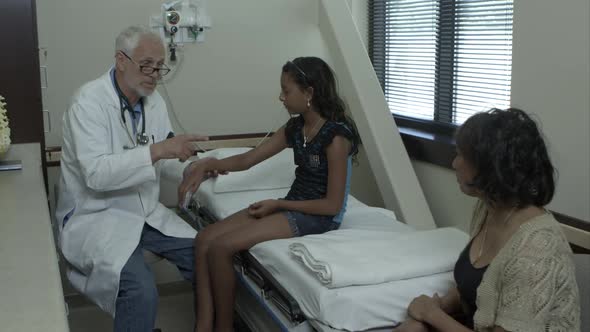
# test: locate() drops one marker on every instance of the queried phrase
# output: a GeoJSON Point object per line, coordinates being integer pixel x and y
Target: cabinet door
{"type": "Point", "coordinates": [20, 82]}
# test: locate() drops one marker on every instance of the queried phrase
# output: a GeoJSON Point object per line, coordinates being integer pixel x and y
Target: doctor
{"type": "Point", "coordinates": [116, 144]}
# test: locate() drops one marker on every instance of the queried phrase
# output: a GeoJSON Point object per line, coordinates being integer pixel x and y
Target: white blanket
{"type": "Point", "coordinates": [347, 260]}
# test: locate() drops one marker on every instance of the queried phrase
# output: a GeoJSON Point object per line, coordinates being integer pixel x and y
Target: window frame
{"type": "Point", "coordinates": [426, 140]}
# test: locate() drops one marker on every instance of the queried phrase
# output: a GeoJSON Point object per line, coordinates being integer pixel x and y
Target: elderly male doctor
{"type": "Point", "coordinates": [116, 144]}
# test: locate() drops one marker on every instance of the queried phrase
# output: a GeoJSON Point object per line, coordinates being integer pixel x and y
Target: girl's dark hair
{"type": "Point", "coordinates": [509, 156]}
{"type": "Point", "coordinates": [315, 73]}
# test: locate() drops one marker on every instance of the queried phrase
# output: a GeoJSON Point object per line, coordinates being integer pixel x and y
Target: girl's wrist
{"type": "Point", "coordinates": [188, 169]}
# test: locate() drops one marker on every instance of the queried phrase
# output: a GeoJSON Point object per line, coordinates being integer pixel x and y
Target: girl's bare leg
{"type": "Point", "coordinates": [220, 258]}
{"type": "Point", "coordinates": [203, 293]}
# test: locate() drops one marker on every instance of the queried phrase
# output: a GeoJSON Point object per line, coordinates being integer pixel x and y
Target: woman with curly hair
{"type": "Point", "coordinates": [517, 272]}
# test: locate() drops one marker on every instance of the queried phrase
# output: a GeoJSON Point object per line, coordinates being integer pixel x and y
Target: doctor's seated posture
{"type": "Point", "coordinates": [517, 272]}
{"type": "Point", "coordinates": [117, 142]}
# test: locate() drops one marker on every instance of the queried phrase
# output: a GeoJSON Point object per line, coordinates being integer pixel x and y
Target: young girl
{"type": "Point", "coordinates": [324, 140]}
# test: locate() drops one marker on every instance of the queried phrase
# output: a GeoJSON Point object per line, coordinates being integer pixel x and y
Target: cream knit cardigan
{"type": "Point", "coordinates": [530, 285]}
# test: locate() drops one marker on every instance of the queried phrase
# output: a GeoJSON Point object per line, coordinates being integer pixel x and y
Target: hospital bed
{"type": "Point", "coordinates": [276, 294]}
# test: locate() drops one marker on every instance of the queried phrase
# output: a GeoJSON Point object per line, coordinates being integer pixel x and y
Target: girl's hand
{"type": "Point", "coordinates": [411, 325]}
{"type": "Point", "coordinates": [422, 306]}
{"type": "Point", "coordinates": [193, 166]}
{"type": "Point", "coordinates": [263, 208]}
{"type": "Point", "coordinates": [195, 173]}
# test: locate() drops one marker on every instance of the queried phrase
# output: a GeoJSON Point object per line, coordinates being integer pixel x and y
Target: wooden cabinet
{"type": "Point", "coordinates": [20, 81]}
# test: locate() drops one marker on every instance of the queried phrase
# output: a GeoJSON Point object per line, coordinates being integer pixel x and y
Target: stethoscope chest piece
{"type": "Point", "coordinates": [142, 138]}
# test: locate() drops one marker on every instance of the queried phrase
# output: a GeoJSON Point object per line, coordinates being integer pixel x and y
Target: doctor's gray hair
{"type": "Point", "coordinates": [129, 38]}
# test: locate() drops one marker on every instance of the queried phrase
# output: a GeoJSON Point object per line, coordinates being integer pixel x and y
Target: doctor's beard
{"type": "Point", "coordinates": [144, 92]}
{"type": "Point", "coordinates": [135, 85]}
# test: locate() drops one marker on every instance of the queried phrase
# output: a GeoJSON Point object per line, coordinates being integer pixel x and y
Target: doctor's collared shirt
{"type": "Point", "coordinates": [136, 108]}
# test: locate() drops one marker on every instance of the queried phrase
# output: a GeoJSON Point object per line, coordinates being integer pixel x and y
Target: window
{"type": "Point", "coordinates": [442, 60]}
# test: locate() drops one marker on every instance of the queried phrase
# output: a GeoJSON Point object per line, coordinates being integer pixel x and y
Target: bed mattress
{"type": "Point", "coordinates": [355, 308]}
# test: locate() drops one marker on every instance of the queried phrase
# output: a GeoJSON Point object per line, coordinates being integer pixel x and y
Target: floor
{"type": "Point", "coordinates": [175, 314]}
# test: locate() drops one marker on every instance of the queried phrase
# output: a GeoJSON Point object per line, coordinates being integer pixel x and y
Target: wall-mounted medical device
{"type": "Point", "coordinates": [180, 22]}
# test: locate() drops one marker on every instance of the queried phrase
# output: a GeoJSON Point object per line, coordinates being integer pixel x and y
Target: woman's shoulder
{"type": "Point", "coordinates": [539, 239]}
{"type": "Point", "coordinates": [540, 230]}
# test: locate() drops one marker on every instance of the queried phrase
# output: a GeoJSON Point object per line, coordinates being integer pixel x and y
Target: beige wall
{"type": "Point", "coordinates": [551, 78]}
{"type": "Point", "coordinates": [449, 206]}
{"type": "Point", "coordinates": [358, 8]}
{"type": "Point", "coordinates": [228, 84]}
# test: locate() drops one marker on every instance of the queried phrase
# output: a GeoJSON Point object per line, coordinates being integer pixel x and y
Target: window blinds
{"type": "Point", "coordinates": [442, 60]}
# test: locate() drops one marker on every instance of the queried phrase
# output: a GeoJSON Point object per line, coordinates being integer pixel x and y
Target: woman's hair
{"type": "Point", "coordinates": [315, 73]}
{"type": "Point", "coordinates": [509, 156]}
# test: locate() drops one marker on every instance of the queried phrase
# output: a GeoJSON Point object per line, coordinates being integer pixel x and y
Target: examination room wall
{"type": "Point", "coordinates": [227, 85]}
{"type": "Point", "coordinates": [551, 77]}
{"type": "Point", "coordinates": [551, 74]}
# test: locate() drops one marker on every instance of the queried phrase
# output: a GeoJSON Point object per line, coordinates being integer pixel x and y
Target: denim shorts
{"type": "Point", "coordinates": [304, 224]}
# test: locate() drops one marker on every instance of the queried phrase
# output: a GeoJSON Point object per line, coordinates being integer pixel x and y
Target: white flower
{"type": "Point", "coordinates": [4, 129]}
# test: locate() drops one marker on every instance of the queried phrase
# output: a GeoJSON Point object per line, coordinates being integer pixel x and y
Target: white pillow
{"type": "Point", "coordinates": [274, 173]}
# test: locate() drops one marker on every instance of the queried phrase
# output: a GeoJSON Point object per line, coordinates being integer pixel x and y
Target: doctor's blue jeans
{"type": "Point", "coordinates": [137, 300]}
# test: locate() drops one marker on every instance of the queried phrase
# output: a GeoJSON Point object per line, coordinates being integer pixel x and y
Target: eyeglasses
{"type": "Point", "coordinates": [148, 70]}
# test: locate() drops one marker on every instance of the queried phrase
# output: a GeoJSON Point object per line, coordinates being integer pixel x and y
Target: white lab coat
{"type": "Point", "coordinates": [112, 191]}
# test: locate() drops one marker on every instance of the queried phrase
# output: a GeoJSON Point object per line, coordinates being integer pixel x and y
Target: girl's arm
{"type": "Point", "coordinates": [275, 144]}
{"type": "Point", "coordinates": [196, 170]}
{"type": "Point", "coordinates": [337, 154]}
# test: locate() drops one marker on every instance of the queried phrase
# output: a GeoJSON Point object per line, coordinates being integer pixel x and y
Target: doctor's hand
{"type": "Point", "coordinates": [263, 208]}
{"type": "Point", "coordinates": [180, 147]}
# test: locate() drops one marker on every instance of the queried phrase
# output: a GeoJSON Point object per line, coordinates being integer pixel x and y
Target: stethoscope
{"type": "Point", "coordinates": [141, 137]}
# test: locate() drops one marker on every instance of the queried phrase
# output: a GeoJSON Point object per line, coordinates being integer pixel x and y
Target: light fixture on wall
{"type": "Point", "coordinates": [180, 22]}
